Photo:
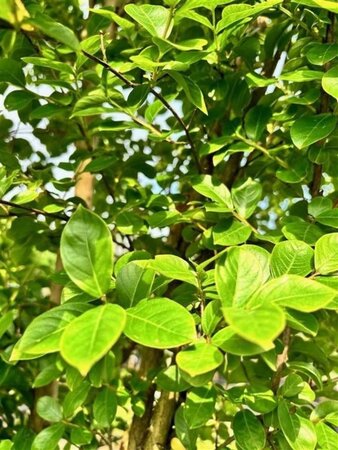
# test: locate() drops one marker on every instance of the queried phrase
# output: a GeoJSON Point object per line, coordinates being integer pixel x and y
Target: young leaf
{"type": "Point", "coordinates": [87, 252]}
{"type": "Point", "coordinates": [104, 407]}
{"type": "Point", "coordinates": [248, 431]}
{"type": "Point", "coordinates": [160, 323]}
{"type": "Point", "coordinates": [90, 336]}
{"type": "Point", "coordinates": [211, 316]}
{"type": "Point", "coordinates": [246, 197]}
{"type": "Point", "coordinates": [295, 292]}
{"type": "Point", "coordinates": [291, 257]}
{"type": "Point", "coordinates": [240, 273]}
{"type": "Point", "coordinates": [199, 359]}
{"type": "Point", "coordinates": [326, 254]}
{"type": "Point", "coordinates": [310, 129]}
{"type": "Point", "coordinates": [260, 326]}
{"type": "Point", "coordinates": [153, 18]}
{"type": "Point", "coordinates": [327, 437]}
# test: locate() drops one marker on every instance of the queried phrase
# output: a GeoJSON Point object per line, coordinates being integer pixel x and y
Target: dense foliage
{"type": "Point", "coordinates": [169, 207]}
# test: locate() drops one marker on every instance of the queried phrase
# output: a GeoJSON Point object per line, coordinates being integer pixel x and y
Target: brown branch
{"type": "Point", "coordinates": [282, 359]}
{"type": "Point", "coordinates": [33, 210]}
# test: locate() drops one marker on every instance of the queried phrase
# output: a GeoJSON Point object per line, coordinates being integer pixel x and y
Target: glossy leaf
{"type": "Point", "coordinates": [230, 232]}
{"type": "Point", "coordinates": [260, 325]}
{"type": "Point", "coordinates": [310, 129]}
{"type": "Point", "coordinates": [173, 267]}
{"type": "Point", "coordinates": [160, 323]}
{"type": "Point", "coordinates": [133, 283]}
{"type": "Point", "coordinates": [211, 188]}
{"type": "Point", "coordinates": [329, 82]}
{"type": "Point", "coordinates": [295, 292]}
{"type": "Point", "coordinates": [230, 342]}
{"type": "Point", "coordinates": [87, 252]}
{"type": "Point", "coordinates": [90, 336]}
{"type": "Point", "coordinates": [199, 359]}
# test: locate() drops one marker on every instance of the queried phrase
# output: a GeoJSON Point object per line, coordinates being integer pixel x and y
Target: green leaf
{"type": "Point", "coordinates": [55, 30]}
{"type": "Point", "coordinates": [260, 325]}
{"type": "Point", "coordinates": [5, 322]}
{"type": "Point", "coordinates": [211, 316]}
{"type": "Point", "coordinates": [18, 100]}
{"type": "Point", "coordinates": [321, 54]}
{"type": "Point", "coordinates": [248, 431]}
{"type": "Point", "coordinates": [160, 323]}
{"type": "Point", "coordinates": [112, 16]}
{"type": "Point", "coordinates": [327, 437]}
{"type": "Point", "coordinates": [170, 379]}
{"type": "Point", "coordinates": [330, 83]}
{"type": "Point", "coordinates": [129, 223]}
{"type": "Point", "coordinates": [173, 267]}
{"type": "Point", "coordinates": [291, 257]}
{"type": "Point", "coordinates": [233, 14]}
{"type": "Point", "coordinates": [89, 337]}
{"type": "Point", "coordinates": [230, 342]}
{"type": "Point", "coordinates": [49, 438]}
{"type": "Point", "coordinates": [302, 231]}
{"type": "Point", "coordinates": [199, 406]}
{"type": "Point", "coordinates": [49, 63]}
{"type": "Point", "coordinates": [307, 323]}
{"type": "Point", "coordinates": [6, 444]}
{"type": "Point", "coordinates": [133, 283]}
{"type": "Point", "coordinates": [295, 292]}
{"type": "Point", "coordinates": [43, 334]}
{"type": "Point", "coordinates": [199, 359]}
{"type": "Point", "coordinates": [191, 90]}
{"type": "Point", "coordinates": [292, 386]}
{"type": "Point", "coordinates": [240, 273]}
{"type": "Point", "coordinates": [319, 205]}
{"type": "Point", "coordinates": [298, 431]}
{"type": "Point", "coordinates": [104, 407]}
{"type": "Point", "coordinates": [310, 129]}
{"type": "Point", "coordinates": [154, 19]}
{"type": "Point", "coordinates": [246, 197]}
{"type": "Point", "coordinates": [301, 75]}
{"type": "Point", "coordinates": [256, 120]}
{"type": "Point", "coordinates": [211, 188]}
{"type": "Point", "coordinates": [230, 232]}
{"type": "Point", "coordinates": [326, 254]}
{"type": "Point", "coordinates": [322, 4]}
{"type": "Point", "coordinates": [329, 218]}
{"type": "Point", "coordinates": [11, 72]}
{"type": "Point", "coordinates": [49, 409]}
{"type": "Point", "coordinates": [87, 252]}
{"type": "Point", "coordinates": [75, 398]}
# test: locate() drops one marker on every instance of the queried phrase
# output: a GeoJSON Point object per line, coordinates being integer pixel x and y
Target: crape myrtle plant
{"type": "Point", "coordinates": [169, 216]}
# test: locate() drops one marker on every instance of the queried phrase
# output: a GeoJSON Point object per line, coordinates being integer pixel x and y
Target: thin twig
{"type": "Point", "coordinates": [282, 359]}
{"type": "Point", "coordinates": [34, 210]}
{"type": "Point", "coordinates": [156, 94]}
